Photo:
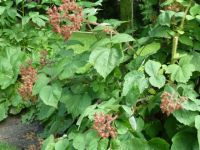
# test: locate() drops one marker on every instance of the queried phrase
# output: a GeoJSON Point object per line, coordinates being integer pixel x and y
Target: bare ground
{"type": "Point", "coordinates": [23, 136]}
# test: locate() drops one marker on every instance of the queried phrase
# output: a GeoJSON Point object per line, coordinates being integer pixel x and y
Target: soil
{"type": "Point", "coordinates": [23, 136]}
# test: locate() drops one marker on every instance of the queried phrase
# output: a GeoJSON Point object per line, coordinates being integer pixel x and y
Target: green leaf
{"type": "Point", "coordinates": [49, 143]}
{"type": "Point", "coordinates": [90, 11]}
{"type": "Point", "coordinates": [38, 21]}
{"type": "Point", "coordinates": [25, 20]}
{"type": "Point", "coordinates": [157, 81]}
{"type": "Point", "coordinates": [128, 110]}
{"type": "Point", "coordinates": [185, 117]}
{"type": "Point", "coordinates": [57, 2]}
{"type": "Point", "coordinates": [161, 32]}
{"type": "Point", "coordinates": [10, 60]}
{"type": "Point", "coordinates": [188, 90]}
{"type": "Point", "coordinates": [132, 96]}
{"type": "Point", "coordinates": [92, 18]}
{"type": "Point", "coordinates": [87, 38]}
{"type": "Point", "coordinates": [189, 17]}
{"type": "Point", "coordinates": [140, 124]}
{"type": "Point", "coordinates": [195, 10]}
{"type": "Point", "coordinates": [135, 143]}
{"type": "Point", "coordinates": [33, 14]}
{"type": "Point", "coordinates": [42, 80]}
{"type": "Point", "coordinates": [158, 144]}
{"type": "Point", "coordinates": [61, 144]}
{"type": "Point", "coordinates": [195, 60]}
{"type": "Point", "coordinates": [133, 123]}
{"type": "Point", "coordinates": [12, 13]}
{"type": "Point", "coordinates": [44, 111]}
{"type": "Point", "coordinates": [197, 126]}
{"type": "Point", "coordinates": [122, 37]}
{"type": "Point", "coordinates": [152, 69]}
{"type": "Point", "coordinates": [181, 72]}
{"type": "Point", "coordinates": [115, 144]}
{"type": "Point", "coordinates": [134, 78]}
{"type": "Point", "coordinates": [2, 9]}
{"type": "Point", "coordinates": [93, 144]}
{"type": "Point", "coordinates": [103, 144]}
{"type": "Point", "coordinates": [6, 74]}
{"type": "Point", "coordinates": [72, 65]}
{"type": "Point", "coordinates": [114, 22]}
{"type": "Point", "coordinates": [101, 43]}
{"type": "Point", "coordinates": [186, 40]}
{"type": "Point", "coordinates": [121, 127]}
{"type": "Point", "coordinates": [79, 142]}
{"type": "Point", "coordinates": [198, 17]}
{"type": "Point", "coordinates": [109, 105]}
{"type": "Point", "coordinates": [136, 63]}
{"type": "Point", "coordinates": [76, 104]}
{"type": "Point", "coordinates": [50, 95]}
{"type": "Point", "coordinates": [89, 110]}
{"type": "Point", "coordinates": [18, 1]}
{"type": "Point", "coordinates": [153, 128]}
{"type": "Point", "coordinates": [3, 110]}
{"type": "Point", "coordinates": [185, 140]}
{"type": "Point", "coordinates": [105, 59]}
{"type": "Point", "coordinates": [196, 45]}
{"type": "Point", "coordinates": [170, 126]}
{"type": "Point", "coordinates": [92, 139]}
{"type": "Point", "coordinates": [148, 49]}
{"type": "Point", "coordinates": [196, 35]}
{"type": "Point", "coordinates": [191, 105]}
{"type": "Point", "coordinates": [164, 18]}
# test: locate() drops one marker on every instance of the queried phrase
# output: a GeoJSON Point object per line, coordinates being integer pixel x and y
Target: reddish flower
{"type": "Point", "coordinates": [66, 18]}
{"type": "Point", "coordinates": [28, 76]}
{"type": "Point", "coordinates": [170, 103]}
{"type": "Point", "coordinates": [102, 123]}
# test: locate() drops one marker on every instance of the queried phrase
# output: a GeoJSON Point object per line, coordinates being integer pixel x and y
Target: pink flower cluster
{"type": "Point", "coordinates": [170, 103]}
{"type": "Point", "coordinates": [28, 76]}
{"type": "Point", "coordinates": [102, 123]}
{"type": "Point", "coordinates": [66, 18]}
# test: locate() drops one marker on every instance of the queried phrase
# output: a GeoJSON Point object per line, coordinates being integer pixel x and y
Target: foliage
{"type": "Point", "coordinates": [5, 146]}
{"type": "Point", "coordinates": [101, 71]}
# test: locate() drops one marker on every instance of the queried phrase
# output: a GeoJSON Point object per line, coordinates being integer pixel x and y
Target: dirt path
{"type": "Point", "coordinates": [20, 135]}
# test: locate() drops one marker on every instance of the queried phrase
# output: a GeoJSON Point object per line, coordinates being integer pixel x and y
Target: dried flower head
{"type": "Point", "coordinates": [170, 103]}
{"type": "Point", "coordinates": [103, 125]}
{"type": "Point", "coordinates": [66, 18]}
{"type": "Point", "coordinates": [28, 76]}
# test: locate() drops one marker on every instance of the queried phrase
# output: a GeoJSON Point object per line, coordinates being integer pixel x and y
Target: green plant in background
{"type": "Point", "coordinates": [5, 146]}
{"type": "Point", "coordinates": [100, 89]}
{"type": "Point", "coordinates": [23, 35]}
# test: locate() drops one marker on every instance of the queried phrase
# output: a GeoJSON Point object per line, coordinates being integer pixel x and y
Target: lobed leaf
{"type": "Point", "coordinates": [105, 59]}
